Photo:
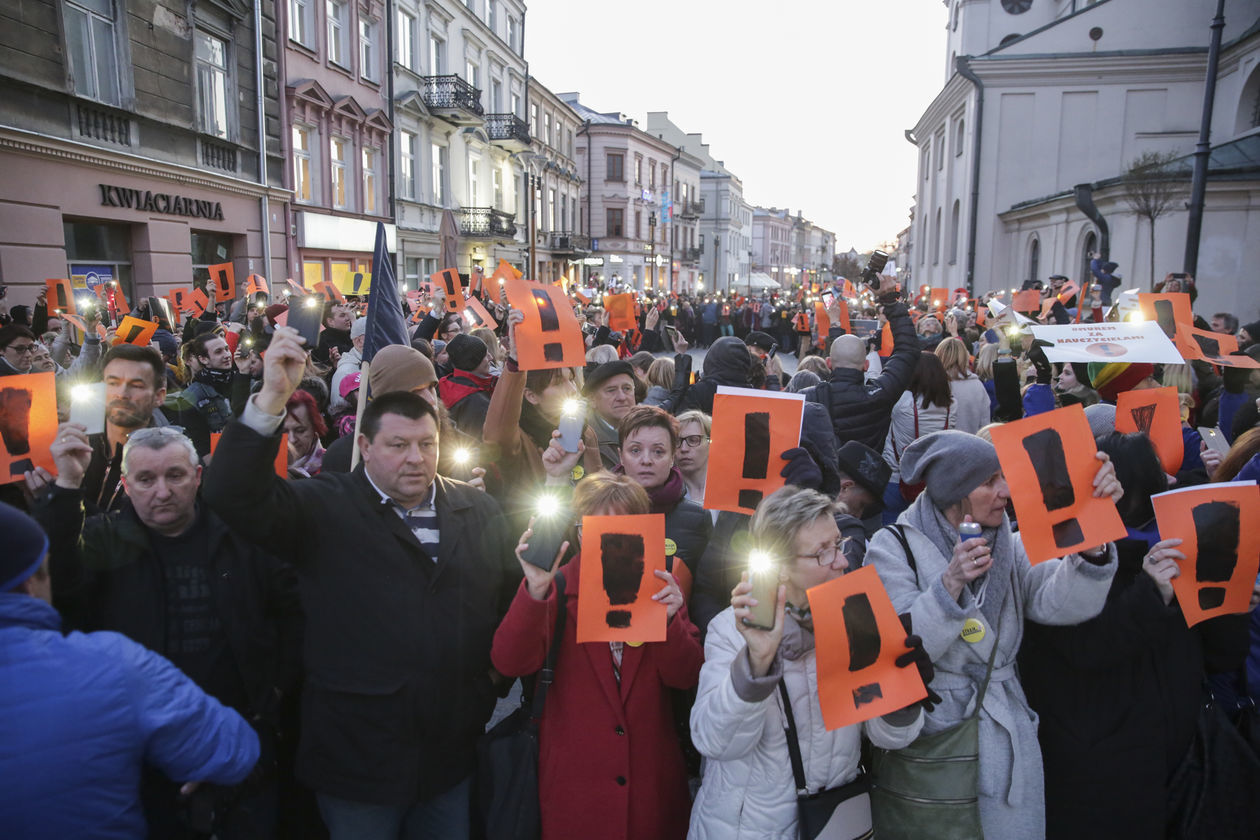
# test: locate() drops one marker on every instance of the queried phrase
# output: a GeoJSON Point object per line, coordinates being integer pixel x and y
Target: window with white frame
{"type": "Point", "coordinates": [406, 40]}
{"type": "Point", "coordinates": [304, 164]}
{"type": "Point", "coordinates": [367, 49]}
{"type": "Point", "coordinates": [437, 55]}
{"type": "Point", "coordinates": [512, 35]}
{"type": "Point", "coordinates": [337, 12]}
{"type": "Point", "coordinates": [474, 182]}
{"type": "Point", "coordinates": [516, 103]}
{"type": "Point", "coordinates": [959, 126]}
{"type": "Point", "coordinates": [371, 181]}
{"type": "Point", "coordinates": [407, 164]}
{"type": "Point", "coordinates": [547, 128]}
{"type": "Point", "coordinates": [212, 85]}
{"type": "Point", "coordinates": [533, 120]}
{"type": "Point", "coordinates": [492, 15]}
{"type": "Point", "coordinates": [472, 73]}
{"type": "Point", "coordinates": [551, 208]}
{"type": "Point", "coordinates": [338, 158]}
{"type": "Point", "coordinates": [437, 160]}
{"type": "Point", "coordinates": [93, 50]}
{"type": "Point", "coordinates": [301, 22]}
{"type": "Point", "coordinates": [497, 179]}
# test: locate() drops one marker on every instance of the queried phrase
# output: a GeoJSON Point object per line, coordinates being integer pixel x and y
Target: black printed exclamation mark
{"type": "Point", "coordinates": [863, 635]}
{"type": "Point", "coordinates": [552, 351]}
{"type": "Point", "coordinates": [454, 289]}
{"type": "Point", "coordinates": [1210, 346]}
{"type": "Point", "coordinates": [1164, 317]}
{"type": "Point", "coordinates": [15, 427]}
{"type": "Point", "coordinates": [358, 282]}
{"type": "Point", "coordinates": [1216, 526]}
{"type": "Point", "coordinates": [621, 556]}
{"type": "Point", "coordinates": [756, 455]}
{"type": "Point", "coordinates": [1045, 450]}
{"type": "Point", "coordinates": [61, 297]}
{"type": "Point", "coordinates": [223, 290]}
{"type": "Point", "coordinates": [1143, 417]}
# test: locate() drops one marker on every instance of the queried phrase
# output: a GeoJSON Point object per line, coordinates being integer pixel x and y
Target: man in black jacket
{"type": "Point", "coordinates": [169, 574]}
{"type": "Point", "coordinates": [404, 577]}
{"type": "Point", "coordinates": [861, 410]}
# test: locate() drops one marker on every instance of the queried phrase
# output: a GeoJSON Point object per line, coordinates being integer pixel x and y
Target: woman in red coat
{"type": "Point", "coordinates": [609, 761]}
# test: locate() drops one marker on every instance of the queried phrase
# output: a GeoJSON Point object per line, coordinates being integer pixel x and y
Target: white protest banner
{"type": "Point", "coordinates": [1123, 341]}
{"type": "Point", "coordinates": [1004, 316]}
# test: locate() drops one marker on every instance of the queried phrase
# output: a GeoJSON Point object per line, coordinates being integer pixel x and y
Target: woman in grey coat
{"type": "Point", "coordinates": [970, 595]}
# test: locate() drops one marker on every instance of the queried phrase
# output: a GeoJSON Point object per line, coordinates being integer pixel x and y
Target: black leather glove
{"type": "Point", "coordinates": [800, 469]}
{"type": "Point", "coordinates": [1041, 364]}
{"type": "Point", "coordinates": [917, 656]}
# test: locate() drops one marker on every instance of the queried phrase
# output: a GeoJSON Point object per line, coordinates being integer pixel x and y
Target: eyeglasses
{"type": "Point", "coordinates": [21, 349]}
{"type": "Point", "coordinates": [692, 441]}
{"type": "Point", "coordinates": [827, 555]}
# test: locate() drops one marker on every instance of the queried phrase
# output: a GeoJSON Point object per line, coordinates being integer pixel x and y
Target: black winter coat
{"type": "Point", "coordinates": [728, 363]}
{"type": "Point", "coordinates": [1118, 698]}
{"type": "Point", "coordinates": [106, 577]}
{"type": "Point", "coordinates": [397, 646]}
{"type": "Point", "coordinates": [862, 410]}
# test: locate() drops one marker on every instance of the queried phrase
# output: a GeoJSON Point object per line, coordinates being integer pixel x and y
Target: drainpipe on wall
{"type": "Point", "coordinates": [264, 202]}
{"type": "Point", "coordinates": [1085, 201]}
{"type": "Point", "coordinates": [963, 65]}
{"type": "Point", "coordinates": [286, 135]}
{"type": "Point", "coordinates": [388, 167]}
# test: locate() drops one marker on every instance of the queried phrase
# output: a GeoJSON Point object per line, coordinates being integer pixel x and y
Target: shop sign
{"type": "Point", "coordinates": [151, 202]}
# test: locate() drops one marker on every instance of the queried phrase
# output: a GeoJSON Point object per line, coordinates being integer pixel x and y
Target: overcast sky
{"type": "Point", "coordinates": [806, 101]}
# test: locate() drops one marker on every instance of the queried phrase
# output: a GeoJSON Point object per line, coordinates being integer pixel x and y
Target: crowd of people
{"type": "Point", "coordinates": [281, 594]}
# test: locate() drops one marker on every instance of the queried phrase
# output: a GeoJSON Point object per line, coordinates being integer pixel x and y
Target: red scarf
{"type": "Point", "coordinates": [461, 384]}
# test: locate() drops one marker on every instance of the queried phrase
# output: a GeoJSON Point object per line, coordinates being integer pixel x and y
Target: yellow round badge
{"type": "Point", "coordinates": [578, 472]}
{"type": "Point", "coordinates": [671, 547]}
{"type": "Point", "coordinates": [973, 631]}
{"type": "Point", "coordinates": [635, 644]}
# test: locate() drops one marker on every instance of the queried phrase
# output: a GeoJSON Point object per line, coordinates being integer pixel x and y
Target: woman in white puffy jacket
{"type": "Point", "coordinates": [737, 722]}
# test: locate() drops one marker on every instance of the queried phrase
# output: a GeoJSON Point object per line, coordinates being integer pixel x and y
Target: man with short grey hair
{"type": "Point", "coordinates": [166, 572]}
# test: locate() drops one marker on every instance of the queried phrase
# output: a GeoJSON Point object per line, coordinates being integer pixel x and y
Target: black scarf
{"type": "Point", "coordinates": [533, 423]}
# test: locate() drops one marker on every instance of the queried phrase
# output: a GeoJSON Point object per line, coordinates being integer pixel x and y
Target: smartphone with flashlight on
{"type": "Point", "coordinates": [572, 421]}
{"type": "Point", "coordinates": [551, 523]}
{"type": "Point", "coordinates": [763, 574]}
{"type": "Point", "coordinates": [87, 407]}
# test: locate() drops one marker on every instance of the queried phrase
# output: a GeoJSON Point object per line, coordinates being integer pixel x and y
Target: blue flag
{"type": "Point", "coordinates": [385, 322]}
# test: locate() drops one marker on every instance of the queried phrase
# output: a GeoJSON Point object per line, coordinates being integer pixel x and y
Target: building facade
{"type": "Point", "coordinates": [460, 94]}
{"type": "Point", "coordinates": [140, 143]}
{"type": "Point", "coordinates": [554, 229]}
{"type": "Point", "coordinates": [1037, 102]}
{"type": "Point", "coordinates": [685, 204]}
{"type": "Point", "coordinates": [627, 171]}
{"type": "Point", "coordinates": [338, 124]}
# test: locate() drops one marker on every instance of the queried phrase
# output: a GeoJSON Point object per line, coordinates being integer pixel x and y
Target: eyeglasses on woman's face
{"type": "Point", "coordinates": [692, 441]}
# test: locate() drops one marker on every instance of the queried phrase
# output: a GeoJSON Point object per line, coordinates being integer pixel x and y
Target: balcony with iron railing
{"type": "Point", "coordinates": [691, 209]}
{"type": "Point", "coordinates": [508, 130]}
{"type": "Point", "coordinates": [570, 243]}
{"type": "Point", "coordinates": [453, 99]}
{"type": "Point", "coordinates": [691, 255]}
{"type": "Point", "coordinates": [486, 222]}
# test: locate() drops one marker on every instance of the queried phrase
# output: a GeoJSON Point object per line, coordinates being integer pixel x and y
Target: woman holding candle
{"type": "Point", "coordinates": [738, 719]}
{"type": "Point", "coordinates": [609, 760]}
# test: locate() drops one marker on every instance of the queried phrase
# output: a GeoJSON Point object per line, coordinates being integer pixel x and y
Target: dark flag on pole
{"type": "Point", "coordinates": [385, 322]}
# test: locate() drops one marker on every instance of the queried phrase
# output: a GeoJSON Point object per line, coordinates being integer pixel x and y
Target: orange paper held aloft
{"type": "Point", "coordinates": [28, 424]}
{"type": "Point", "coordinates": [822, 321]}
{"type": "Point", "coordinates": [135, 331]}
{"type": "Point", "coordinates": [938, 300]}
{"type": "Point", "coordinates": [199, 302]}
{"type": "Point", "coordinates": [281, 464]}
{"type": "Point", "coordinates": [181, 300]}
{"type": "Point", "coordinates": [1026, 301]}
{"type": "Point", "coordinates": [60, 297]}
{"type": "Point", "coordinates": [885, 341]}
{"type": "Point", "coordinates": [1049, 464]}
{"type": "Point", "coordinates": [620, 309]}
{"type": "Point", "coordinates": [1216, 524]}
{"type": "Point", "coordinates": [1156, 412]}
{"type": "Point", "coordinates": [222, 282]}
{"type": "Point", "coordinates": [448, 281]}
{"type": "Point", "coordinates": [256, 284]}
{"type": "Point", "coordinates": [751, 430]}
{"type": "Point", "coordinates": [504, 272]}
{"type": "Point", "coordinates": [845, 323]}
{"type": "Point", "coordinates": [549, 337]}
{"type": "Point", "coordinates": [330, 291]}
{"type": "Point", "coordinates": [1171, 311]}
{"type": "Point", "coordinates": [112, 297]}
{"type": "Point", "coordinates": [858, 638]}
{"type": "Point", "coordinates": [620, 555]}
{"type": "Point", "coordinates": [477, 315]}
{"type": "Point", "coordinates": [1216, 348]}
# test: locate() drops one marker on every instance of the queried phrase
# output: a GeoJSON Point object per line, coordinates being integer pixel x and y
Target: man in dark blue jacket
{"type": "Point", "coordinates": [81, 714]}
